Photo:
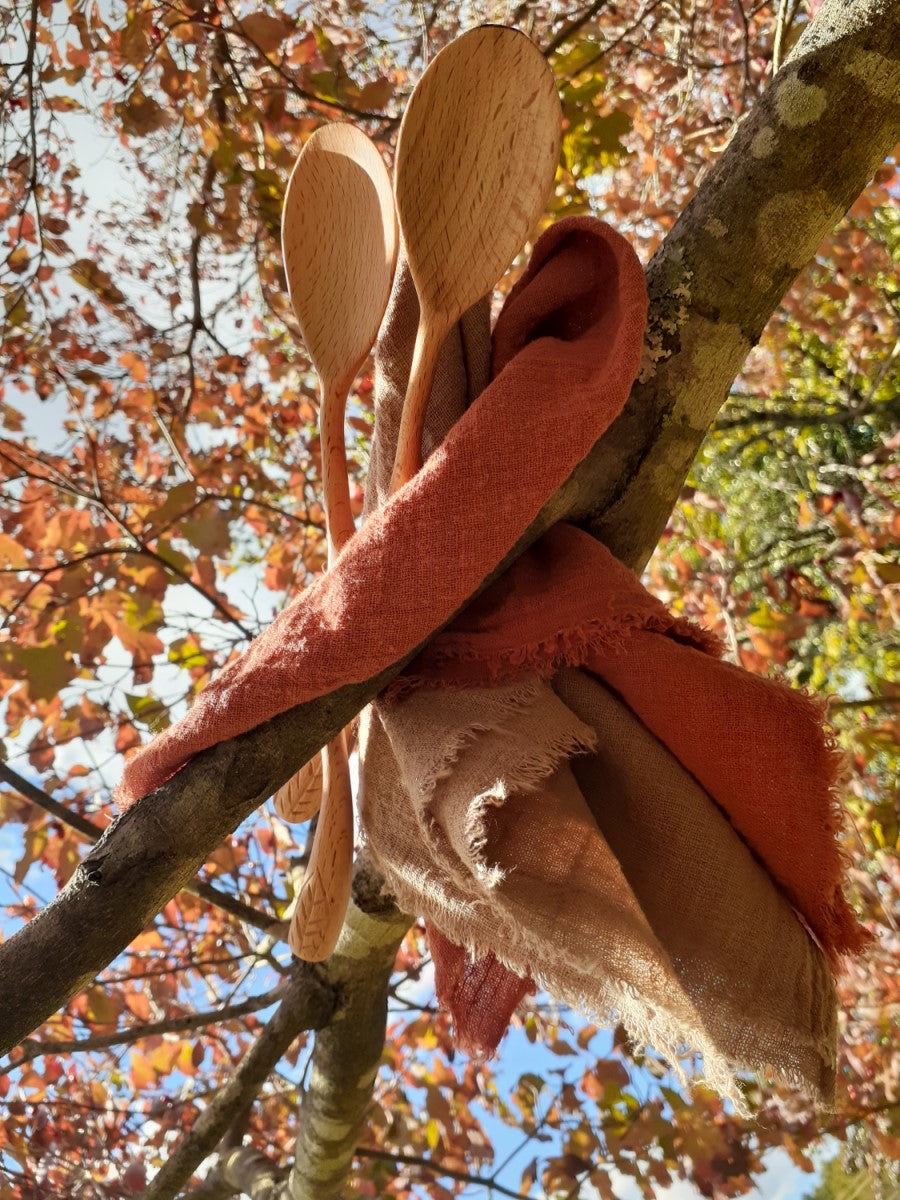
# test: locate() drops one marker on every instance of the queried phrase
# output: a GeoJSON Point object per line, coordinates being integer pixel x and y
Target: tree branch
{"type": "Point", "coordinates": [122, 1037]}
{"type": "Point", "coordinates": [347, 1052]}
{"type": "Point", "coordinates": [569, 30]}
{"type": "Point", "coordinates": [791, 171]}
{"type": "Point", "coordinates": [246, 1172]}
{"type": "Point", "coordinates": [242, 1171]}
{"type": "Point", "coordinates": [489, 1185]}
{"type": "Point", "coordinates": [308, 1003]}
{"type": "Point", "coordinates": [793, 168]}
{"type": "Point", "coordinates": [796, 417]}
{"type": "Point", "coordinates": [269, 924]}
{"type": "Point", "coordinates": [344, 1064]}
{"type": "Point", "coordinates": [868, 702]}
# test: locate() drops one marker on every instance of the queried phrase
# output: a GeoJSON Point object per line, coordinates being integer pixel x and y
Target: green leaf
{"type": "Point", "coordinates": [47, 669]}
{"type": "Point", "coordinates": [148, 711]}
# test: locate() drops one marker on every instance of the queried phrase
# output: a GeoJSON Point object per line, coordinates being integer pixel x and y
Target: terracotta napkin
{"type": "Point", "coordinates": [545, 832]}
{"type": "Point", "coordinates": [568, 782]}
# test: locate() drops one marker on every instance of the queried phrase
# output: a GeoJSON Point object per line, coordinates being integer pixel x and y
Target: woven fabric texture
{"type": "Point", "coordinates": [568, 782]}
{"type": "Point", "coordinates": [418, 558]}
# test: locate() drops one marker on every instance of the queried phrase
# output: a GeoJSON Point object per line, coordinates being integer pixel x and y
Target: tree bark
{"type": "Point", "coordinates": [308, 1003]}
{"type": "Point", "coordinates": [347, 1052]}
{"type": "Point", "coordinates": [793, 168]}
{"type": "Point", "coordinates": [346, 1000]}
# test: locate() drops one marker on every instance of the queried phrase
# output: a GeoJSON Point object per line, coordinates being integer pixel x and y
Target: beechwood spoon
{"type": "Point", "coordinates": [476, 158]}
{"type": "Point", "coordinates": [339, 241]}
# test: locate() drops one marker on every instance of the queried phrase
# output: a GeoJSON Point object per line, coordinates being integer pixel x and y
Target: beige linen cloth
{"type": "Point", "coordinates": [540, 826]}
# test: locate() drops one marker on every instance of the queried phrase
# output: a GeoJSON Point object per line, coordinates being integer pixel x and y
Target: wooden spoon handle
{"type": "Point", "coordinates": [408, 460]}
{"type": "Point", "coordinates": [322, 904]}
{"type": "Point", "coordinates": [335, 479]}
{"type": "Point", "coordinates": [301, 797]}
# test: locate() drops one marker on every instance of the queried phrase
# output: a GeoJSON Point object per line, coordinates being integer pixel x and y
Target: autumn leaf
{"type": "Point", "coordinates": [264, 30]}
{"type": "Point", "coordinates": [46, 669]}
{"type": "Point", "coordinates": [92, 276]}
{"type": "Point", "coordinates": [143, 1075]}
{"type": "Point", "coordinates": [12, 553]}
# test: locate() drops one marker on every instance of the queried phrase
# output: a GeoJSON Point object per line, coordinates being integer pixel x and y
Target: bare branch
{"type": "Point", "coordinates": [868, 702]}
{"type": "Point", "coordinates": [269, 924]}
{"type": "Point", "coordinates": [489, 1185]}
{"type": "Point", "coordinates": [136, 1033]}
{"type": "Point", "coordinates": [569, 30]}
{"type": "Point", "coordinates": [308, 1003]}
{"type": "Point", "coordinates": [797, 418]}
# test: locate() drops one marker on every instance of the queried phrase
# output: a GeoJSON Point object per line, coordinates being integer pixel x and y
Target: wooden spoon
{"type": "Point", "coordinates": [339, 240]}
{"type": "Point", "coordinates": [476, 158]}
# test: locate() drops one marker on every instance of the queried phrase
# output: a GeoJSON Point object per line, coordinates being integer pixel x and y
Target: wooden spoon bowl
{"type": "Point", "coordinates": [339, 241]}
{"type": "Point", "coordinates": [476, 159]}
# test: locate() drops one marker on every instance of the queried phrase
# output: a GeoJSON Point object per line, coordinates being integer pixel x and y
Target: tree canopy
{"type": "Point", "coordinates": [160, 500]}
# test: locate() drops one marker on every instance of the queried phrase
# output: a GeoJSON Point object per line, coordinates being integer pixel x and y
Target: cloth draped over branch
{"type": "Point", "coordinates": [568, 782]}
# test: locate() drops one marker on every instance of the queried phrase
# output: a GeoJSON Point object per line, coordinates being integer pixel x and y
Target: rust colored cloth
{"type": "Point", "coordinates": [572, 330]}
{"type": "Point", "coordinates": [565, 842]}
{"type": "Point", "coordinates": [507, 791]}
{"type": "Point", "coordinates": [755, 745]}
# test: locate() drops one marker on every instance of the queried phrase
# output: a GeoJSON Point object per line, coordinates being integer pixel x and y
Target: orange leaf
{"type": "Point", "coordinates": [136, 366]}
{"type": "Point", "coordinates": [265, 31]}
{"type": "Point", "coordinates": [142, 1073]}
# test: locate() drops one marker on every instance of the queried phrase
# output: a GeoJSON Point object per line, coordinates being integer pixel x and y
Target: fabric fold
{"type": "Point", "coordinates": [384, 595]}
{"type": "Point", "coordinates": [568, 782]}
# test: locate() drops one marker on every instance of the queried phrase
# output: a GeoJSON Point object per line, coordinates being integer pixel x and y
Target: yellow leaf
{"type": "Point", "coordinates": [185, 1060]}
{"type": "Point", "coordinates": [142, 1073]}
{"type": "Point", "coordinates": [164, 1057]}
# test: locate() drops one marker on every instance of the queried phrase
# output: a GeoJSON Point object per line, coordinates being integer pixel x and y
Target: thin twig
{"type": "Point", "coordinates": [123, 1037]}
{"type": "Point", "coordinates": [439, 1171]}
{"type": "Point", "coordinates": [269, 924]}
{"type": "Point", "coordinates": [568, 31]}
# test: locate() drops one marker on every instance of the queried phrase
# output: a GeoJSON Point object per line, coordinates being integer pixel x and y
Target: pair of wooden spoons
{"type": "Point", "coordinates": [476, 158]}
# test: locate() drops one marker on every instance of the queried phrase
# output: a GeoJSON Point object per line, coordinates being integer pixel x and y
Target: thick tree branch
{"type": "Point", "coordinates": [344, 1063]}
{"type": "Point", "coordinates": [794, 167]}
{"type": "Point", "coordinates": [791, 171]}
{"type": "Point", "coordinates": [271, 925]}
{"type": "Point", "coordinates": [347, 1052]}
{"type": "Point", "coordinates": [308, 1003]}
